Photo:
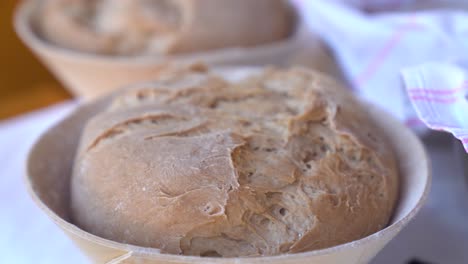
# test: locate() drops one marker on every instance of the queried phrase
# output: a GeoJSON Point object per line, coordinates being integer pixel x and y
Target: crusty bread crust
{"type": "Point", "coordinates": [283, 161]}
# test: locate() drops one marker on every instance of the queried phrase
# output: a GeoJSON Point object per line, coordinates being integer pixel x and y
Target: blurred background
{"type": "Point", "coordinates": [381, 42]}
{"type": "Point", "coordinates": [25, 84]}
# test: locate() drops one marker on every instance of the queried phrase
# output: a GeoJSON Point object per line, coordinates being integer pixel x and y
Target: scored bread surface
{"type": "Point", "coordinates": [281, 161]}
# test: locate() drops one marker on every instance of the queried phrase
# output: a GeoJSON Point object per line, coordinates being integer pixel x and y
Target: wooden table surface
{"type": "Point", "coordinates": [25, 84]}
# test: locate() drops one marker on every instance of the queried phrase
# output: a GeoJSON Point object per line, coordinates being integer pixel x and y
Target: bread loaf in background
{"type": "Point", "coordinates": [132, 27]}
{"type": "Point", "coordinates": [215, 164]}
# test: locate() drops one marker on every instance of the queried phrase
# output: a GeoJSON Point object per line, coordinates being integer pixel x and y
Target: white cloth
{"type": "Point", "coordinates": [439, 93]}
{"type": "Point", "coordinates": [27, 235]}
{"type": "Point", "coordinates": [404, 5]}
{"type": "Point", "coordinates": [373, 49]}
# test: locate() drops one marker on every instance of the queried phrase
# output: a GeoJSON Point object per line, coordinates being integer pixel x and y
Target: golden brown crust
{"type": "Point", "coordinates": [162, 26]}
{"type": "Point", "coordinates": [283, 161]}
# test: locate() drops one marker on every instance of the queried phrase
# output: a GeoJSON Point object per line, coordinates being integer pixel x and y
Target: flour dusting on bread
{"type": "Point", "coordinates": [281, 161]}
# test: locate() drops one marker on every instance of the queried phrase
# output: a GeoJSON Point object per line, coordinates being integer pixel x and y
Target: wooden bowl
{"type": "Point", "coordinates": [48, 180]}
{"type": "Point", "coordinates": [90, 75]}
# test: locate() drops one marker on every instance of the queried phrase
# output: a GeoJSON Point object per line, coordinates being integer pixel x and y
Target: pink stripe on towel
{"type": "Point", "coordinates": [432, 99]}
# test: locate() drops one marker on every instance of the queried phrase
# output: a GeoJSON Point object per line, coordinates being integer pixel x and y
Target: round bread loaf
{"type": "Point", "coordinates": [161, 26]}
{"type": "Point", "coordinates": [200, 163]}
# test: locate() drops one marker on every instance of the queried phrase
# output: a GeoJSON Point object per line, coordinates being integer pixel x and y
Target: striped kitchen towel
{"type": "Point", "coordinates": [373, 48]}
{"type": "Point", "coordinates": [403, 5]}
{"type": "Point", "coordinates": [439, 94]}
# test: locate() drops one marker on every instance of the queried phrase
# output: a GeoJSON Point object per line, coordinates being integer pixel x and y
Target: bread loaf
{"type": "Point", "coordinates": [280, 161]}
{"type": "Point", "coordinates": [132, 27]}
